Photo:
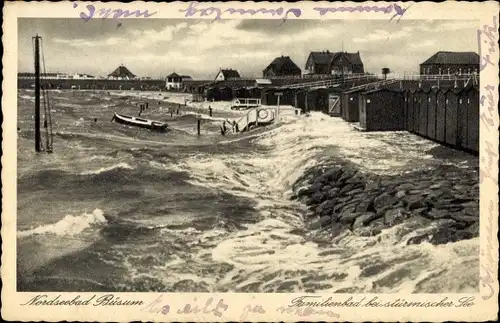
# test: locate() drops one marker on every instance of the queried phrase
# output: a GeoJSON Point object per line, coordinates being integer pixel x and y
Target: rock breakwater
{"type": "Point", "coordinates": [441, 203]}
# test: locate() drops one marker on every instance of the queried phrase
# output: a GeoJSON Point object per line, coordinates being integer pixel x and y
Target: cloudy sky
{"type": "Point", "coordinates": [157, 47]}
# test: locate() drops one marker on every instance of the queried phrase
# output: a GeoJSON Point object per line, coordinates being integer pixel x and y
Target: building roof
{"type": "Point", "coordinates": [283, 64]}
{"type": "Point", "coordinates": [121, 71]}
{"type": "Point", "coordinates": [323, 57]}
{"type": "Point", "coordinates": [173, 75]}
{"type": "Point", "coordinates": [456, 58]}
{"type": "Point", "coordinates": [186, 77]}
{"type": "Point", "coordinates": [353, 58]}
{"type": "Point", "coordinates": [230, 73]}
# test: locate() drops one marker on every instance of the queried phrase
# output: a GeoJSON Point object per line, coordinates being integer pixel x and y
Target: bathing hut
{"type": "Point", "coordinates": [381, 110]}
{"type": "Point", "coordinates": [225, 93]}
{"type": "Point", "coordinates": [350, 105]}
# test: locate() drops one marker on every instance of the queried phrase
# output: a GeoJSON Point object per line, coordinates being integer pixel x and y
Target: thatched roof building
{"type": "Point", "coordinates": [121, 73]}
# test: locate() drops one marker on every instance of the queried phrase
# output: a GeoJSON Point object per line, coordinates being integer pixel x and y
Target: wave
{"type": "Point", "coordinates": [69, 225]}
{"type": "Point", "coordinates": [105, 169]}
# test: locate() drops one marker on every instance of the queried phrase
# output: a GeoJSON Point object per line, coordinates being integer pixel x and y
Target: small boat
{"type": "Point", "coordinates": [140, 122]}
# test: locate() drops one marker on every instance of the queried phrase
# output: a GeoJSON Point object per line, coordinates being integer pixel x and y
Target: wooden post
{"type": "Point", "coordinates": [37, 94]}
{"type": "Point", "coordinates": [199, 126]}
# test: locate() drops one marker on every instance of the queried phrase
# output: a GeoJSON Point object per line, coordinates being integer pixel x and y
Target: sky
{"type": "Point", "coordinates": [199, 48]}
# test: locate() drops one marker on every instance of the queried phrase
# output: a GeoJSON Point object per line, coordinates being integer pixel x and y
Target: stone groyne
{"type": "Point", "coordinates": [444, 201]}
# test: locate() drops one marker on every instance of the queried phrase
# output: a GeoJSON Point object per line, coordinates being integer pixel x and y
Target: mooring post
{"type": "Point", "coordinates": [199, 126]}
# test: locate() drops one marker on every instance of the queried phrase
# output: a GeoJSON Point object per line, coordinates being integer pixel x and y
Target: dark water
{"type": "Point", "coordinates": [117, 208]}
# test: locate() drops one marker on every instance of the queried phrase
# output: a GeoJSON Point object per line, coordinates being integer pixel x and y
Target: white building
{"type": "Point", "coordinates": [174, 81]}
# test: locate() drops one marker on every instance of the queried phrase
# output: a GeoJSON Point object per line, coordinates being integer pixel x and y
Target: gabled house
{"type": "Point", "coordinates": [451, 63]}
{"type": "Point", "coordinates": [226, 74]}
{"type": "Point", "coordinates": [343, 63]}
{"type": "Point", "coordinates": [318, 62]}
{"type": "Point", "coordinates": [174, 81]}
{"type": "Point", "coordinates": [281, 66]}
{"type": "Point", "coordinates": [121, 73]}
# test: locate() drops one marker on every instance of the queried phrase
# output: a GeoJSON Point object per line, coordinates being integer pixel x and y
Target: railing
{"type": "Point", "coordinates": [443, 77]}
{"type": "Point", "coordinates": [328, 83]}
{"type": "Point", "coordinates": [245, 103]}
{"type": "Point", "coordinates": [373, 85]}
{"type": "Point", "coordinates": [252, 116]}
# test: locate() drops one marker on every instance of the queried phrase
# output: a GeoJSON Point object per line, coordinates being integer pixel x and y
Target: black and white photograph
{"type": "Point", "coordinates": [250, 156]}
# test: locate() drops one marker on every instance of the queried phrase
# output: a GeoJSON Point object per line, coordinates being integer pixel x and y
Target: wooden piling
{"type": "Point", "coordinates": [199, 126]}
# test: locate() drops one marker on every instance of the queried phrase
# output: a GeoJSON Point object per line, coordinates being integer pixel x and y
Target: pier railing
{"type": "Point", "coordinates": [328, 83]}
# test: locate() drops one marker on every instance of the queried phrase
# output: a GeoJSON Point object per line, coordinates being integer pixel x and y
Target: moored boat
{"type": "Point", "coordinates": [140, 122]}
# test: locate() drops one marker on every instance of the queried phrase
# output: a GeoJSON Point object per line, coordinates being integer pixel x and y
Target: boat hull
{"type": "Point", "coordinates": [140, 123]}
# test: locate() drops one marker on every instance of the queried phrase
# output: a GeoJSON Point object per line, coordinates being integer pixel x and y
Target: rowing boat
{"type": "Point", "coordinates": [140, 122]}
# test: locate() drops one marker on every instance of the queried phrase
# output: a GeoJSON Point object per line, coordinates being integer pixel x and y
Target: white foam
{"type": "Point", "coordinates": [69, 225]}
{"type": "Point", "coordinates": [105, 169]}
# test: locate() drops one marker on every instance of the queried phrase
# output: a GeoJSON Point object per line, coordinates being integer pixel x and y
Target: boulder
{"type": "Point", "coordinates": [348, 216]}
{"type": "Point", "coordinates": [346, 188]}
{"type": "Point", "coordinates": [394, 216]}
{"type": "Point", "coordinates": [364, 219]}
{"type": "Point", "coordinates": [334, 192]}
{"type": "Point", "coordinates": [366, 205]}
{"type": "Point", "coordinates": [419, 239]}
{"type": "Point", "coordinates": [400, 194]}
{"type": "Point", "coordinates": [322, 222]}
{"type": "Point", "coordinates": [405, 186]}
{"type": "Point", "coordinates": [415, 202]}
{"type": "Point", "coordinates": [384, 200]}
{"type": "Point", "coordinates": [463, 217]}
{"type": "Point", "coordinates": [325, 208]}
{"type": "Point", "coordinates": [436, 214]}
{"type": "Point", "coordinates": [355, 191]}
{"type": "Point", "coordinates": [325, 189]}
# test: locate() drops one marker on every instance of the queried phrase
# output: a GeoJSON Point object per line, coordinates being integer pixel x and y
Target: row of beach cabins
{"type": "Point", "coordinates": [442, 103]}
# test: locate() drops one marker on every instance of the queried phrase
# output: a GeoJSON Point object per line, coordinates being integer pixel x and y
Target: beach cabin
{"type": "Point", "coordinates": [350, 105]}
{"type": "Point", "coordinates": [381, 110]}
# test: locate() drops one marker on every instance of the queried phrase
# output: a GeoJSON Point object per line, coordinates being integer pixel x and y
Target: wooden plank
{"type": "Point", "coordinates": [462, 120]}
{"type": "Point", "coordinates": [440, 116]}
{"type": "Point", "coordinates": [416, 111]}
{"type": "Point", "coordinates": [431, 115]}
{"type": "Point", "coordinates": [473, 121]}
{"type": "Point", "coordinates": [422, 125]}
{"type": "Point", "coordinates": [451, 119]}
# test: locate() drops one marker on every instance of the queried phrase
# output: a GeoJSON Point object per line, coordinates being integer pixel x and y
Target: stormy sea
{"type": "Point", "coordinates": [117, 208]}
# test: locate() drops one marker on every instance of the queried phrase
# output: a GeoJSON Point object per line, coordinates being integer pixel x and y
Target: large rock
{"type": "Point", "coordinates": [346, 188]}
{"type": "Point", "coordinates": [366, 205]}
{"type": "Point", "coordinates": [394, 216]}
{"type": "Point", "coordinates": [364, 219]}
{"type": "Point", "coordinates": [415, 202]}
{"type": "Point", "coordinates": [463, 217]}
{"type": "Point", "coordinates": [334, 192]}
{"type": "Point", "coordinates": [436, 214]}
{"type": "Point", "coordinates": [384, 200]}
{"type": "Point", "coordinates": [322, 222]}
{"type": "Point", "coordinates": [325, 208]}
{"type": "Point", "coordinates": [348, 216]}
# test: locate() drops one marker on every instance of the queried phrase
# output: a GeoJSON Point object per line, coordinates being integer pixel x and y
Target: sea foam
{"type": "Point", "coordinates": [69, 225]}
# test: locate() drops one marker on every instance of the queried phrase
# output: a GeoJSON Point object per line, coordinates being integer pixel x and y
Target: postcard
{"type": "Point", "coordinates": [241, 161]}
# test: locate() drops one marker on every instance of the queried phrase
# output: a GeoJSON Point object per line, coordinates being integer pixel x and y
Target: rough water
{"type": "Point", "coordinates": [117, 208]}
